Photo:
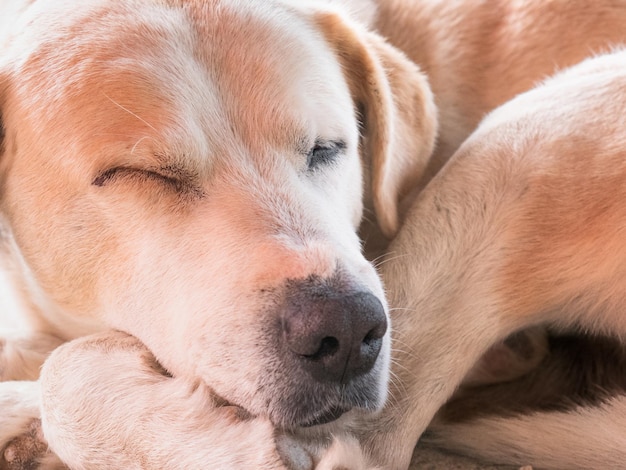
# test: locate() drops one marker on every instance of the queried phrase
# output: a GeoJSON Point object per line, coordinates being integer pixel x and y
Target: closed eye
{"type": "Point", "coordinates": [324, 153]}
{"type": "Point", "coordinates": [172, 178]}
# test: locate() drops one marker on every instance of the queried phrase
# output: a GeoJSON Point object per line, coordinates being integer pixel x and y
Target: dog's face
{"type": "Point", "coordinates": [192, 174]}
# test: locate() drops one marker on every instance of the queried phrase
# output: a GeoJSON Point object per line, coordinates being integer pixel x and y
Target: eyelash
{"type": "Point", "coordinates": [324, 153]}
{"type": "Point", "coordinates": [176, 184]}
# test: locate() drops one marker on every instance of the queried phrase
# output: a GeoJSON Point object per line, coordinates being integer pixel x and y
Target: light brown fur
{"type": "Point", "coordinates": [158, 177]}
{"type": "Point", "coordinates": [461, 273]}
{"type": "Point", "coordinates": [478, 55]}
{"type": "Point", "coordinates": [519, 229]}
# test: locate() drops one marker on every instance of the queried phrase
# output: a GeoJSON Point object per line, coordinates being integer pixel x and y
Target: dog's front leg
{"type": "Point", "coordinates": [106, 403]}
{"type": "Point", "coordinates": [447, 284]}
{"type": "Point", "coordinates": [21, 442]}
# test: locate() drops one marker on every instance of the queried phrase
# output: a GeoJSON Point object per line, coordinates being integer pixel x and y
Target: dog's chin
{"type": "Point", "coordinates": [329, 416]}
{"type": "Point", "coordinates": [323, 417]}
{"type": "Point", "coordinates": [323, 428]}
{"type": "Point", "coordinates": [303, 404]}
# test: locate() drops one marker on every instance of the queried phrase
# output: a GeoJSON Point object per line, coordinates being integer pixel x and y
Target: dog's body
{"type": "Point", "coordinates": [529, 212]}
{"type": "Point", "coordinates": [478, 55]}
{"type": "Point", "coordinates": [122, 184]}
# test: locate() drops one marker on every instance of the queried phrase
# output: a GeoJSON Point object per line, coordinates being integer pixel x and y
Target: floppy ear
{"type": "Point", "coordinates": [3, 92]}
{"type": "Point", "coordinates": [399, 118]}
{"type": "Point", "coordinates": [2, 131]}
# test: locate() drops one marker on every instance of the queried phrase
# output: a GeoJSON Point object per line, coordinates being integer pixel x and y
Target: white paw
{"type": "Point", "coordinates": [22, 446]}
{"type": "Point", "coordinates": [345, 453]}
{"type": "Point", "coordinates": [29, 451]}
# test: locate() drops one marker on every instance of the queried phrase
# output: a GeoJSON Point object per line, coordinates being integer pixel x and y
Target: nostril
{"type": "Point", "coordinates": [370, 346]}
{"type": "Point", "coordinates": [331, 334]}
{"type": "Point", "coordinates": [379, 329]}
{"type": "Point", "coordinates": [328, 348]}
{"type": "Point", "coordinates": [371, 337]}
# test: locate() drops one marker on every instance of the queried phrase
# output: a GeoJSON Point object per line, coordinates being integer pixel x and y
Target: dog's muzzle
{"type": "Point", "coordinates": [329, 338]}
{"type": "Point", "coordinates": [334, 336]}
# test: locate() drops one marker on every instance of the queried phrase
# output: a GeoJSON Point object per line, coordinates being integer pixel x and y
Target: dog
{"type": "Point", "coordinates": [528, 210]}
{"type": "Point", "coordinates": [192, 173]}
{"type": "Point", "coordinates": [517, 210]}
{"type": "Point", "coordinates": [395, 432]}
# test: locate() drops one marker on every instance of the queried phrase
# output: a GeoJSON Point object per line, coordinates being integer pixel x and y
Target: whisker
{"type": "Point", "coordinates": [395, 366]}
{"type": "Point", "coordinates": [390, 258]}
{"type": "Point", "coordinates": [404, 309]}
{"type": "Point", "coordinates": [132, 151]}
{"type": "Point", "coordinates": [380, 257]}
{"type": "Point", "coordinates": [130, 112]}
{"type": "Point", "coordinates": [404, 348]}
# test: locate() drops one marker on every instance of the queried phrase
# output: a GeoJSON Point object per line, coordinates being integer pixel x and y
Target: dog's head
{"type": "Point", "coordinates": [192, 172]}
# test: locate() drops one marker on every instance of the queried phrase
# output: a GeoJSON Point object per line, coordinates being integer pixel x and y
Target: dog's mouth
{"type": "Point", "coordinates": [325, 417]}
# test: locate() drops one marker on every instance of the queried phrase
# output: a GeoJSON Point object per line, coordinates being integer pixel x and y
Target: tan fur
{"type": "Point", "coordinates": [154, 179]}
{"type": "Point", "coordinates": [479, 55]}
{"type": "Point", "coordinates": [520, 228]}
{"type": "Point", "coordinates": [191, 274]}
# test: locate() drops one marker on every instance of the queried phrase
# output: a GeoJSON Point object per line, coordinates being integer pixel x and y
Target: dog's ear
{"type": "Point", "coordinates": [399, 118]}
{"type": "Point", "coordinates": [2, 92]}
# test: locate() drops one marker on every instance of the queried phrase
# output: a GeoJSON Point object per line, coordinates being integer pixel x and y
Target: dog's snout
{"type": "Point", "coordinates": [334, 336]}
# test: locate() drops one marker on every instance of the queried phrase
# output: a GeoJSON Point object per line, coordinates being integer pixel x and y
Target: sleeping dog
{"type": "Point", "coordinates": [192, 173]}
{"type": "Point", "coordinates": [185, 165]}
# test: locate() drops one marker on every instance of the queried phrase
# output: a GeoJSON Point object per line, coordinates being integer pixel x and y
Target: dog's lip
{"type": "Point", "coordinates": [326, 417]}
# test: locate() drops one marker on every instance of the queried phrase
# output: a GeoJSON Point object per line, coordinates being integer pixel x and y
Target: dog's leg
{"type": "Point", "coordinates": [107, 403]}
{"type": "Point", "coordinates": [570, 412]}
{"type": "Point", "coordinates": [490, 248]}
{"type": "Point", "coordinates": [22, 354]}
{"type": "Point", "coordinates": [447, 311]}
{"type": "Point", "coordinates": [517, 355]}
{"type": "Point", "coordinates": [582, 438]}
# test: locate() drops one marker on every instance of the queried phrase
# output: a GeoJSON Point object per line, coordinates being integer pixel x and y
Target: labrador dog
{"type": "Point", "coordinates": [192, 173]}
{"type": "Point", "coordinates": [212, 281]}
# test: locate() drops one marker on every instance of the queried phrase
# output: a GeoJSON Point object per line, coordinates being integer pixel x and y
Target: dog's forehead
{"type": "Point", "coordinates": [276, 78]}
{"type": "Point", "coordinates": [191, 78]}
{"type": "Point", "coordinates": [275, 73]}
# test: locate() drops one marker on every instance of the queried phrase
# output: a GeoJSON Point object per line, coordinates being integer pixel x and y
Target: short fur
{"type": "Point", "coordinates": [157, 177]}
{"type": "Point", "coordinates": [522, 227]}
{"type": "Point", "coordinates": [92, 230]}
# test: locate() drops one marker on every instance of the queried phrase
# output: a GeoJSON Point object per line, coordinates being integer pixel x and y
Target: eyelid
{"type": "Point", "coordinates": [109, 174]}
{"type": "Point", "coordinates": [177, 180]}
{"type": "Point", "coordinates": [326, 150]}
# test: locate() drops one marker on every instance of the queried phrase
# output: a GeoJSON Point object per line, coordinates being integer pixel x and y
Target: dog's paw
{"type": "Point", "coordinates": [29, 451]}
{"type": "Point", "coordinates": [107, 403]}
{"type": "Point", "coordinates": [345, 453]}
{"type": "Point", "coordinates": [339, 452]}
{"type": "Point", "coordinates": [294, 454]}
{"type": "Point", "coordinates": [511, 358]}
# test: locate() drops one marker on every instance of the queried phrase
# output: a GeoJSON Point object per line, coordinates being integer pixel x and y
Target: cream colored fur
{"type": "Point", "coordinates": [479, 55]}
{"type": "Point", "coordinates": [88, 260]}
{"type": "Point", "coordinates": [522, 227]}
{"type": "Point", "coordinates": [155, 179]}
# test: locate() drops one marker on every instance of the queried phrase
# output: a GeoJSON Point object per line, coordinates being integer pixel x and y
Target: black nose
{"type": "Point", "coordinates": [333, 334]}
